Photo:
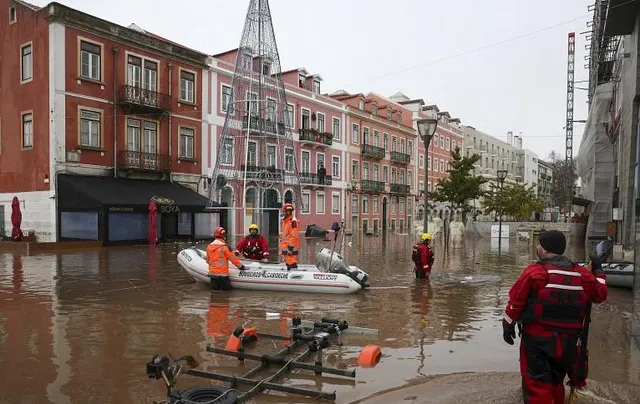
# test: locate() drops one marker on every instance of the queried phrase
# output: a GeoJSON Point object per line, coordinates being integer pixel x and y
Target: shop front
{"type": "Point", "coordinates": [116, 210]}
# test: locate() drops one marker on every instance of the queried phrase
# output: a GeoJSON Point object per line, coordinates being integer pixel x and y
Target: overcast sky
{"type": "Point", "coordinates": [498, 65]}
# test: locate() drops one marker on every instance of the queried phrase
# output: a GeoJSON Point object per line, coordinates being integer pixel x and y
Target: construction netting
{"type": "Point", "coordinates": [595, 163]}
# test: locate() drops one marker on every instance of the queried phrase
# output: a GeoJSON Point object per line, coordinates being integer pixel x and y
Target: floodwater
{"type": "Point", "coordinates": [80, 327]}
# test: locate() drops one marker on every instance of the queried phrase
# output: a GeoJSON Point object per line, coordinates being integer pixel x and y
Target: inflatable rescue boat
{"type": "Point", "coordinates": [620, 274]}
{"type": "Point", "coordinates": [330, 275]}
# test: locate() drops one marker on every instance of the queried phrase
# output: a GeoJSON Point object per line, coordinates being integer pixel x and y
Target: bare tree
{"type": "Point", "coordinates": [564, 178]}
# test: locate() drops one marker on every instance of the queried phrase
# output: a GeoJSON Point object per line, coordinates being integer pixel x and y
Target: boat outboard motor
{"type": "Point", "coordinates": [328, 261]}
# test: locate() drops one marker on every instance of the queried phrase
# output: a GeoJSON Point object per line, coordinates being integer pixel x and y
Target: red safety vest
{"type": "Point", "coordinates": [559, 305]}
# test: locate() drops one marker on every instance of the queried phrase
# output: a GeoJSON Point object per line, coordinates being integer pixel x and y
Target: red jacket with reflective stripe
{"type": "Point", "coordinates": [536, 277]}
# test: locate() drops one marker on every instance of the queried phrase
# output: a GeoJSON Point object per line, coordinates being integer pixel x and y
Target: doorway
{"type": "Point", "coordinates": [384, 213]}
{"type": "Point", "coordinates": [270, 202]}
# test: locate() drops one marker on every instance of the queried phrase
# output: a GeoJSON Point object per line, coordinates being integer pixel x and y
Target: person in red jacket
{"type": "Point", "coordinates": [549, 302]}
{"type": "Point", "coordinates": [423, 257]}
{"type": "Point", "coordinates": [253, 246]}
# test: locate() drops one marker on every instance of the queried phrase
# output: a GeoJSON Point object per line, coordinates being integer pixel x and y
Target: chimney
{"type": "Point", "coordinates": [510, 138]}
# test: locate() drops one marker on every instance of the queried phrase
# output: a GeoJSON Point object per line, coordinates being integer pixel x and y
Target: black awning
{"type": "Point", "coordinates": [78, 192]}
{"type": "Point", "coordinates": [580, 201]}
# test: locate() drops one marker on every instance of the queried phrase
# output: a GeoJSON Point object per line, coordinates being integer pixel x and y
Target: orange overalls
{"type": "Point", "coordinates": [289, 241]}
{"type": "Point", "coordinates": [218, 257]}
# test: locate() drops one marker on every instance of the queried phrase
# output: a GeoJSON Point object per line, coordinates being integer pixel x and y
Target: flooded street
{"type": "Point", "coordinates": [80, 327]}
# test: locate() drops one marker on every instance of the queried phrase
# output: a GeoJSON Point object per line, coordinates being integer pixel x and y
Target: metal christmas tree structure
{"type": "Point", "coordinates": [256, 158]}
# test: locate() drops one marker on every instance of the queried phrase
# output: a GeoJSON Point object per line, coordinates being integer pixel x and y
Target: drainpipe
{"type": "Point", "coordinates": [170, 69]}
{"type": "Point", "coordinates": [114, 50]}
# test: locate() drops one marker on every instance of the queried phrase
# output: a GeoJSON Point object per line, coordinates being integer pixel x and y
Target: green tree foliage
{"type": "Point", "coordinates": [515, 200]}
{"type": "Point", "coordinates": [460, 186]}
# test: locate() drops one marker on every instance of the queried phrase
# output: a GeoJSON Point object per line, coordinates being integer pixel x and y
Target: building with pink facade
{"type": "Point", "coordinates": [381, 141]}
{"type": "Point", "coordinates": [319, 152]}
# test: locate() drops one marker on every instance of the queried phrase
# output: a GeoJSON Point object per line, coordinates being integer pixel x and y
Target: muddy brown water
{"type": "Point", "coordinates": [80, 327]}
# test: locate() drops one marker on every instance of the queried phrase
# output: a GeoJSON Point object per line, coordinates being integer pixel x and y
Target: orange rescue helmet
{"type": "Point", "coordinates": [219, 232]}
{"type": "Point", "coordinates": [287, 207]}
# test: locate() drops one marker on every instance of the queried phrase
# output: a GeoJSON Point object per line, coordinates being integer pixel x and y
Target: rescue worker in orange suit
{"type": "Point", "coordinates": [549, 302]}
{"type": "Point", "coordinates": [289, 241]}
{"type": "Point", "coordinates": [218, 257]}
{"type": "Point", "coordinates": [423, 257]}
{"type": "Point", "coordinates": [253, 246]}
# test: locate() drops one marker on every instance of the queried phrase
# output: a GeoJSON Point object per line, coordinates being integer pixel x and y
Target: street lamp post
{"type": "Point", "coordinates": [502, 174]}
{"type": "Point", "coordinates": [426, 130]}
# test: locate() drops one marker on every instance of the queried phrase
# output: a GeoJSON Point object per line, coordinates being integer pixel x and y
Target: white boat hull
{"type": "Point", "coordinates": [272, 277]}
{"type": "Point", "coordinates": [619, 274]}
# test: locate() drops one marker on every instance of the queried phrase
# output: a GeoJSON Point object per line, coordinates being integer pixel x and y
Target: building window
{"type": "Point", "coordinates": [435, 141]}
{"type": "Point", "coordinates": [335, 204]}
{"type": "Point", "coordinates": [320, 203]}
{"type": "Point", "coordinates": [252, 154]}
{"type": "Point", "coordinates": [306, 201]}
{"type": "Point", "coordinates": [321, 126]}
{"type": "Point", "coordinates": [374, 109]}
{"type": "Point", "coordinates": [365, 204]}
{"type": "Point", "coordinates": [410, 148]}
{"type": "Point", "coordinates": [365, 171]}
{"type": "Point", "coordinates": [12, 15]}
{"type": "Point", "coordinates": [306, 162]}
{"type": "Point", "coordinates": [410, 178]}
{"type": "Point", "coordinates": [301, 80]}
{"type": "Point", "coordinates": [447, 144]}
{"type": "Point", "coordinates": [354, 170]}
{"type": "Point", "coordinates": [266, 68]}
{"type": "Point", "coordinates": [365, 136]}
{"type": "Point", "coordinates": [306, 118]}
{"type": "Point", "coordinates": [361, 104]}
{"type": "Point", "coordinates": [150, 138]}
{"type": "Point", "coordinates": [316, 86]}
{"type": "Point", "coordinates": [435, 164]}
{"type": "Point", "coordinates": [187, 86]}
{"type": "Point", "coordinates": [271, 156]}
{"type": "Point", "coordinates": [376, 138]}
{"type": "Point", "coordinates": [187, 136]}
{"type": "Point", "coordinates": [441, 142]}
{"type": "Point", "coordinates": [335, 166]}
{"type": "Point", "coordinates": [288, 159]}
{"type": "Point", "coordinates": [355, 135]}
{"type": "Point", "coordinates": [389, 114]}
{"type": "Point", "coordinates": [394, 144]}
{"type": "Point", "coordinates": [421, 161]}
{"type": "Point", "coordinates": [385, 173]}
{"type": "Point", "coordinates": [336, 128]}
{"type": "Point", "coordinates": [376, 205]}
{"type": "Point", "coordinates": [394, 175]}
{"type": "Point", "coordinates": [291, 113]}
{"type": "Point", "coordinates": [27, 130]}
{"type": "Point", "coordinates": [90, 60]}
{"type": "Point", "coordinates": [453, 144]}
{"type": "Point", "coordinates": [133, 135]}
{"type": "Point", "coordinates": [90, 123]}
{"type": "Point", "coordinates": [226, 99]}
{"type": "Point", "coordinates": [376, 172]}
{"type": "Point", "coordinates": [26, 63]}
{"type": "Point", "coordinates": [227, 151]}
{"type": "Point", "coordinates": [385, 141]}
{"type": "Point", "coordinates": [271, 110]}
{"type": "Point", "coordinates": [399, 117]}
{"type": "Point", "coordinates": [354, 204]}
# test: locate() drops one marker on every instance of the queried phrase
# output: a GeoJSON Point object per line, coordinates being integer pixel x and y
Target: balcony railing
{"type": "Point", "coordinates": [372, 186]}
{"type": "Point", "coordinates": [315, 179]}
{"type": "Point", "coordinates": [312, 135]}
{"type": "Point", "coordinates": [373, 151]}
{"type": "Point", "coordinates": [257, 124]}
{"type": "Point", "coordinates": [135, 160]}
{"type": "Point", "coordinates": [400, 188]}
{"type": "Point", "coordinates": [262, 173]}
{"type": "Point", "coordinates": [402, 158]}
{"type": "Point", "coordinates": [143, 99]}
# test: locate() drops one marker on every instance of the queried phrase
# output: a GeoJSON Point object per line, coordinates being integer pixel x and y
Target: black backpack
{"type": "Point", "coordinates": [415, 255]}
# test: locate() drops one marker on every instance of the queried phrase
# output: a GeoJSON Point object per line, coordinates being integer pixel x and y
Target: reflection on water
{"type": "Point", "coordinates": [80, 327]}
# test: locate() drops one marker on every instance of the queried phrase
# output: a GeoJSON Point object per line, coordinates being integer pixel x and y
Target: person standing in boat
{"type": "Point", "coordinates": [218, 257]}
{"type": "Point", "coordinates": [253, 246]}
{"type": "Point", "coordinates": [289, 241]}
{"type": "Point", "coordinates": [549, 300]}
{"type": "Point", "coordinates": [423, 257]}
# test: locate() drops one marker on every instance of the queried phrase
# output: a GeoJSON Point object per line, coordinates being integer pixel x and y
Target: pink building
{"type": "Point", "coordinates": [317, 122]}
{"type": "Point", "coordinates": [381, 144]}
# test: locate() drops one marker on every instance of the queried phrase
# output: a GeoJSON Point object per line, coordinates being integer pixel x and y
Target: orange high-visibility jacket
{"type": "Point", "coordinates": [218, 257]}
{"type": "Point", "coordinates": [289, 240]}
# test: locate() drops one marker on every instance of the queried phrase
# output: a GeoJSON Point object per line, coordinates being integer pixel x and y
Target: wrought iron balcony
{"type": "Point", "coordinates": [260, 125]}
{"type": "Point", "coordinates": [262, 173]}
{"type": "Point", "coordinates": [373, 151]}
{"type": "Point", "coordinates": [402, 158]}
{"type": "Point", "coordinates": [315, 179]}
{"type": "Point", "coordinates": [141, 100]}
{"type": "Point", "coordinates": [372, 186]}
{"type": "Point", "coordinates": [139, 161]}
{"type": "Point", "coordinates": [315, 137]}
{"type": "Point", "coordinates": [400, 189]}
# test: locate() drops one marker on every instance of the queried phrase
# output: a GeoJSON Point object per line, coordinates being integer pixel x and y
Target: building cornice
{"type": "Point", "coordinates": [56, 12]}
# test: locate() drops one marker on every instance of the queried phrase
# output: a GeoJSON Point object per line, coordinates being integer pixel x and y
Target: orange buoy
{"type": "Point", "coordinates": [233, 343]}
{"type": "Point", "coordinates": [369, 356]}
